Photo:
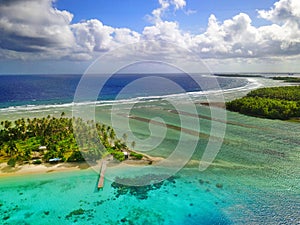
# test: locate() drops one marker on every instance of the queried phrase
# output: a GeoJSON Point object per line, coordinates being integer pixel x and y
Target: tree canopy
{"type": "Point", "coordinates": [70, 139]}
{"type": "Point", "coordinates": [274, 103]}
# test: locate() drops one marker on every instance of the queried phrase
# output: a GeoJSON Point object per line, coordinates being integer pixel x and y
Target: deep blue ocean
{"type": "Point", "coordinates": [21, 90]}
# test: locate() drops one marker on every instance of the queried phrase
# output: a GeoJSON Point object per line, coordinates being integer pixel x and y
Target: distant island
{"type": "Point", "coordinates": [52, 140]}
{"type": "Point", "coordinates": [273, 103]}
{"type": "Point", "coordinates": [236, 75]}
{"type": "Point", "coordinates": [288, 79]}
{"type": "Point", "coordinates": [263, 75]}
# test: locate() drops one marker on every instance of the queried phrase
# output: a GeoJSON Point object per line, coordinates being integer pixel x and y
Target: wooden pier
{"type": "Point", "coordinates": [102, 173]}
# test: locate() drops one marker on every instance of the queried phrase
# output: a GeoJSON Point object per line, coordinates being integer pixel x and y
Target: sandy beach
{"type": "Point", "coordinates": [29, 169]}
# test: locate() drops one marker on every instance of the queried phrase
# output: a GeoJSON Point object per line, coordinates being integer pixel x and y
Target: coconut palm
{"type": "Point", "coordinates": [11, 148]}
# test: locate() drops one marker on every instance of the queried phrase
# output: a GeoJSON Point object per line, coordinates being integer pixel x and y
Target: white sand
{"type": "Point", "coordinates": [28, 169]}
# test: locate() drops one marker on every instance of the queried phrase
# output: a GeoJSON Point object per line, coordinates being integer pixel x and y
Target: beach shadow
{"type": "Point", "coordinates": [67, 165]}
{"type": "Point", "coordinates": [81, 166]}
{"type": "Point", "coordinates": [48, 165]}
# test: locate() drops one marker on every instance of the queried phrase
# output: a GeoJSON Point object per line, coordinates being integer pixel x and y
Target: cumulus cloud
{"type": "Point", "coordinates": [157, 14]}
{"type": "Point", "coordinates": [93, 36]}
{"type": "Point", "coordinates": [283, 11]}
{"type": "Point", "coordinates": [232, 38]}
{"type": "Point", "coordinates": [237, 37]}
{"type": "Point", "coordinates": [179, 4]}
{"type": "Point", "coordinates": [284, 34]}
{"type": "Point", "coordinates": [166, 31]}
{"type": "Point", "coordinates": [35, 27]}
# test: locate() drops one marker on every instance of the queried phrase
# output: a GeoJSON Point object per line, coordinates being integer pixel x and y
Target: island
{"type": "Point", "coordinates": [272, 102]}
{"type": "Point", "coordinates": [52, 140]}
{"type": "Point", "coordinates": [288, 79]}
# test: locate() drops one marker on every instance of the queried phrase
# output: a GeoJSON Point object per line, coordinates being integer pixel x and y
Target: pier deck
{"type": "Point", "coordinates": [102, 174]}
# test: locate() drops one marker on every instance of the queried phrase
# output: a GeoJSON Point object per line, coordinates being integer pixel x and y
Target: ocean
{"type": "Point", "coordinates": [254, 178]}
{"type": "Point", "coordinates": [30, 90]}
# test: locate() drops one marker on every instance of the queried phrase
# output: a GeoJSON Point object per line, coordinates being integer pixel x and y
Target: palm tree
{"type": "Point", "coordinates": [133, 144]}
{"type": "Point", "coordinates": [11, 148]}
{"type": "Point", "coordinates": [7, 124]}
{"type": "Point", "coordinates": [1, 143]}
{"type": "Point", "coordinates": [112, 136]}
{"type": "Point", "coordinates": [27, 153]}
{"type": "Point", "coordinates": [125, 137]}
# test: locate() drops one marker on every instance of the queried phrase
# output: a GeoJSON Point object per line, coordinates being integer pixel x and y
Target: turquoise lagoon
{"type": "Point", "coordinates": [253, 180]}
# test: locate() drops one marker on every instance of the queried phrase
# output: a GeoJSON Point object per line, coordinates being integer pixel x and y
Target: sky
{"type": "Point", "coordinates": [67, 36]}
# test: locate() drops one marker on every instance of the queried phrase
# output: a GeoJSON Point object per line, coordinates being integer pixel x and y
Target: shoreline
{"type": "Point", "coordinates": [30, 169]}
{"type": "Point", "coordinates": [46, 168]}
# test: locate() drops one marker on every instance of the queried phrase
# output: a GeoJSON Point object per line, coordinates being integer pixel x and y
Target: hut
{"type": "Point", "coordinates": [42, 148]}
{"type": "Point", "coordinates": [125, 154]}
{"type": "Point", "coordinates": [54, 160]}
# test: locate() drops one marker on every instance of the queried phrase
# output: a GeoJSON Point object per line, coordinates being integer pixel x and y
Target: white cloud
{"type": "Point", "coordinates": [166, 31]}
{"type": "Point", "coordinates": [284, 34]}
{"type": "Point", "coordinates": [179, 4]}
{"type": "Point", "coordinates": [157, 14]}
{"type": "Point", "coordinates": [284, 11]}
{"type": "Point", "coordinates": [92, 35]}
{"type": "Point", "coordinates": [125, 36]}
{"type": "Point", "coordinates": [34, 28]}
{"type": "Point", "coordinates": [235, 37]}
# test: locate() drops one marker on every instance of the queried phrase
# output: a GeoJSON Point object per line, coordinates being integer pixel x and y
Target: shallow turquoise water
{"type": "Point", "coordinates": [253, 180]}
{"type": "Point", "coordinates": [51, 198]}
{"type": "Point", "coordinates": [192, 198]}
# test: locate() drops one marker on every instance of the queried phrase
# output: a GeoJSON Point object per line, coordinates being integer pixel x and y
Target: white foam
{"type": "Point", "coordinates": [252, 84]}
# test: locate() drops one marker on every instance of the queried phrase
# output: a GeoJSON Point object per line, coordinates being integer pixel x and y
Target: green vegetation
{"type": "Point", "coordinates": [236, 75]}
{"type": "Point", "coordinates": [12, 162]}
{"type": "Point", "coordinates": [274, 103]}
{"type": "Point", "coordinates": [39, 139]}
{"type": "Point", "coordinates": [288, 79]}
{"type": "Point", "coordinates": [291, 93]}
{"type": "Point", "coordinates": [118, 155]}
{"type": "Point", "coordinates": [136, 155]}
{"type": "Point", "coordinates": [37, 162]}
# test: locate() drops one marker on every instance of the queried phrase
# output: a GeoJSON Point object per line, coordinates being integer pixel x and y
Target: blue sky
{"type": "Point", "coordinates": [132, 13]}
{"type": "Point", "coordinates": [117, 13]}
{"type": "Point", "coordinates": [66, 36]}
